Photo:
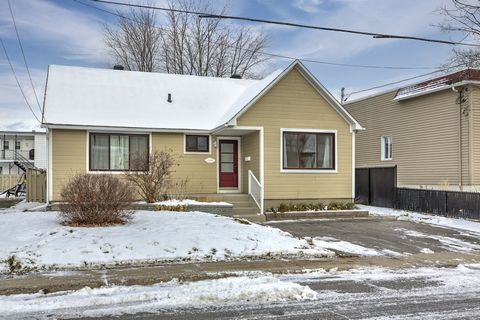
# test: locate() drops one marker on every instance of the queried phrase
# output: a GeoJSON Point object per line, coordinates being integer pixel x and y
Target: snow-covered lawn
{"type": "Point", "coordinates": [39, 242]}
{"type": "Point", "coordinates": [461, 224]}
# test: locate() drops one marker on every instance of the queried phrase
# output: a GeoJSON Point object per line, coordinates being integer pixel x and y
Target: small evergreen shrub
{"type": "Point", "coordinates": [288, 207]}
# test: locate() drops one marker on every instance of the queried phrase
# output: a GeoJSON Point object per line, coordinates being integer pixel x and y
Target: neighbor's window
{"type": "Point", "coordinates": [197, 143]}
{"type": "Point", "coordinates": [304, 150]}
{"type": "Point", "coordinates": [17, 145]}
{"type": "Point", "coordinates": [386, 148]}
{"type": "Point", "coordinates": [118, 152]}
{"type": "Point", "coordinates": [6, 145]}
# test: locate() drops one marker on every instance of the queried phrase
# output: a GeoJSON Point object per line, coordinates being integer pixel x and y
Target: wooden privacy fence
{"type": "Point", "coordinates": [36, 181]}
{"type": "Point", "coordinates": [445, 203]}
{"type": "Point", "coordinates": [8, 181]}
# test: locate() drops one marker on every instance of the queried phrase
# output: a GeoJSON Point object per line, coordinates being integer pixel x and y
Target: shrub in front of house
{"type": "Point", "coordinates": [289, 207]}
{"type": "Point", "coordinates": [152, 175]}
{"type": "Point", "coordinates": [96, 200]}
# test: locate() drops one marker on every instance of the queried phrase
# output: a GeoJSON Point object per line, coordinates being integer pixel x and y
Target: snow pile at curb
{"type": "Point", "coordinates": [234, 290]}
{"type": "Point", "coordinates": [419, 217]}
{"type": "Point", "coordinates": [39, 242]}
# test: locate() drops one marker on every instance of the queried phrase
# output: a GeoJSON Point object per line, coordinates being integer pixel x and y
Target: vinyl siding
{"type": "Point", "coordinates": [250, 148]}
{"type": "Point", "coordinates": [202, 176]}
{"type": "Point", "coordinates": [69, 157]}
{"type": "Point", "coordinates": [294, 103]}
{"type": "Point", "coordinates": [475, 134]}
{"type": "Point", "coordinates": [425, 132]}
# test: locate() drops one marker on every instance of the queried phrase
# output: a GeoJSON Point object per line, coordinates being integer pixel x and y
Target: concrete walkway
{"type": "Point", "coordinates": [73, 280]}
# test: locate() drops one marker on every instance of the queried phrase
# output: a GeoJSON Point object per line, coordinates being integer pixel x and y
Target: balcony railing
{"type": "Point", "coordinates": [17, 155]}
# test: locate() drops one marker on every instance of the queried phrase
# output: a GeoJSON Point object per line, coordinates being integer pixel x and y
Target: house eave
{"type": "Point", "coordinates": [122, 129]}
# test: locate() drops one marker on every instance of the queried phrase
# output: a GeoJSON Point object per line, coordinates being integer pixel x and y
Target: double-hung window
{"type": "Point", "coordinates": [197, 143]}
{"type": "Point", "coordinates": [308, 150]}
{"type": "Point", "coordinates": [386, 148]}
{"type": "Point", "coordinates": [118, 152]}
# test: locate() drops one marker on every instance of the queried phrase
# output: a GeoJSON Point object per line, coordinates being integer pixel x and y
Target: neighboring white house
{"type": "Point", "coordinates": [22, 146]}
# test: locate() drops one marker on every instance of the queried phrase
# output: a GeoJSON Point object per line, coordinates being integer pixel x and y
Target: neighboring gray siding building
{"type": "Point", "coordinates": [430, 130]}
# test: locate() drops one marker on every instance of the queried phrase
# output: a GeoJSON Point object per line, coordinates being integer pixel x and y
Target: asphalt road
{"type": "Point", "coordinates": [417, 298]}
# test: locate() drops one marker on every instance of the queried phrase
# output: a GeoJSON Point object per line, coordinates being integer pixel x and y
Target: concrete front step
{"type": "Point", "coordinates": [244, 211]}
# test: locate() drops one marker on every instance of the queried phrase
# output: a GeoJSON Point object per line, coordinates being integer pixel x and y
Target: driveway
{"type": "Point", "coordinates": [403, 237]}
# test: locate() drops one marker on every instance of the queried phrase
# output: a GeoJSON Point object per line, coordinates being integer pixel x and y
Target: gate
{"type": "Point", "coordinates": [376, 186]}
{"type": "Point", "coordinates": [36, 185]}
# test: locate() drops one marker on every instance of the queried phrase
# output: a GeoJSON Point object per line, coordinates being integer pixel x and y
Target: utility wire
{"type": "Point", "coordinates": [16, 79]}
{"type": "Point", "coordinates": [273, 54]}
{"type": "Point", "coordinates": [284, 23]}
{"type": "Point", "coordinates": [24, 58]}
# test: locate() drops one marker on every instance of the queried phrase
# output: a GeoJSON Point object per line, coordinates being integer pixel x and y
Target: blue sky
{"type": "Point", "coordinates": [65, 32]}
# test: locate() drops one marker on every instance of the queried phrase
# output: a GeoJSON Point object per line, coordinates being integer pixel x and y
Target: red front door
{"type": "Point", "coordinates": [228, 166]}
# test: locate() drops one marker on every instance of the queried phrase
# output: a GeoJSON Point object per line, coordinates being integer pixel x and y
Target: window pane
{"type": "Point", "coordinates": [138, 152]}
{"type": "Point", "coordinates": [290, 154]}
{"type": "Point", "coordinates": [191, 143]}
{"type": "Point", "coordinates": [227, 167]}
{"type": "Point", "coordinates": [202, 143]}
{"type": "Point", "coordinates": [99, 152]}
{"type": "Point", "coordinates": [307, 145]}
{"type": "Point", "coordinates": [119, 152]}
{"type": "Point", "coordinates": [325, 151]}
{"type": "Point", "coordinates": [226, 157]}
{"type": "Point", "coordinates": [227, 147]}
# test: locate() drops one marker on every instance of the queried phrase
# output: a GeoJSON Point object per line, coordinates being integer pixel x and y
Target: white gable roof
{"type": "Point", "coordinates": [77, 96]}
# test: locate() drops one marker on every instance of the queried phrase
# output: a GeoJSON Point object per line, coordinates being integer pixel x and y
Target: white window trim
{"type": "Point", "coordinates": [382, 147]}
{"type": "Point", "coordinates": [114, 132]}
{"type": "Point", "coordinates": [197, 152]}
{"type": "Point", "coordinates": [282, 170]}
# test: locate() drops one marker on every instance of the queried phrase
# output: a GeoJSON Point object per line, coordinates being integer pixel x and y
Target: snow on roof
{"type": "Point", "coordinates": [437, 84]}
{"type": "Point", "coordinates": [77, 96]}
{"type": "Point", "coordinates": [105, 97]}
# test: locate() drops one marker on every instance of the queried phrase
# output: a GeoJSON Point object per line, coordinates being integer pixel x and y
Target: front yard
{"type": "Point", "coordinates": [36, 241]}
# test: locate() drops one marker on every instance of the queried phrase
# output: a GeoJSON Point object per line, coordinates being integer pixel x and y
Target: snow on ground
{"type": "Point", "coordinates": [39, 242]}
{"type": "Point", "coordinates": [420, 217]}
{"type": "Point", "coordinates": [187, 202]}
{"type": "Point", "coordinates": [384, 286]}
{"type": "Point", "coordinates": [22, 206]}
{"type": "Point", "coordinates": [131, 299]}
{"type": "Point", "coordinates": [448, 243]}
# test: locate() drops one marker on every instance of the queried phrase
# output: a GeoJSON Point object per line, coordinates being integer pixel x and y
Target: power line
{"type": "Point", "coordinates": [278, 55]}
{"type": "Point", "coordinates": [24, 58]}
{"type": "Point", "coordinates": [290, 24]}
{"type": "Point", "coordinates": [16, 79]}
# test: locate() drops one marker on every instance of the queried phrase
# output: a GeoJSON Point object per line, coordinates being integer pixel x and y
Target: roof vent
{"type": "Point", "coordinates": [118, 67]}
{"type": "Point", "coordinates": [169, 98]}
{"type": "Point", "coordinates": [235, 76]}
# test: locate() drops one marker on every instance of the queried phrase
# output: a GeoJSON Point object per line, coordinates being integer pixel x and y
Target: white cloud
{"type": "Point", "coordinates": [310, 6]}
{"type": "Point", "coordinates": [14, 112]}
{"type": "Point", "coordinates": [70, 31]}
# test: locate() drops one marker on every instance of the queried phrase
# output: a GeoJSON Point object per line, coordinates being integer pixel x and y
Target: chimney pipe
{"type": "Point", "coordinates": [169, 98]}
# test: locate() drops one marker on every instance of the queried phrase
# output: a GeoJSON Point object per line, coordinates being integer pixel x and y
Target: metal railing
{"type": "Point", "coordinates": [255, 190]}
